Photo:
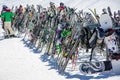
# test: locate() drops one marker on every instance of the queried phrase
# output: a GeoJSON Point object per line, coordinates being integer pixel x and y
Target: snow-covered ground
{"type": "Point", "coordinates": [18, 62]}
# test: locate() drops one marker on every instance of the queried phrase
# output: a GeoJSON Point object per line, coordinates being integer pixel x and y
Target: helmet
{"type": "Point", "coordinates": [51, 3]}
{"type": "Point", "coordinates": [61, 4]}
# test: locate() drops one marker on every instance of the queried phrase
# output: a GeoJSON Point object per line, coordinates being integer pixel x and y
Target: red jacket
{"type": "Point", "coordinates": [61, 7]}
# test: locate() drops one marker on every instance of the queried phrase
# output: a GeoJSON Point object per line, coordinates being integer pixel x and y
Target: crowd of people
{"type": "Point", "coordinates": [8, 15]}
{"type": "Point", "coordinates": [35, 19]}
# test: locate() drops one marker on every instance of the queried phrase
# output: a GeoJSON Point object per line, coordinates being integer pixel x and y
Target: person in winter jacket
{"type": "Point", "coordinates": [4, 9]}
{"type": "Point", "coordinates": [51, 10]}
{"type": "Point", "coordinates": [20, 10]}
{"type": "Point", "coordinates": [7, 17]}
{"type": "Point", "coordinates": [61, 7]}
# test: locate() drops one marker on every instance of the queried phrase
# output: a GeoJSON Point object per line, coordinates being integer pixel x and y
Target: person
{"type": "Point", "coordinates": [51, 10]}
{"type": "Point", "coordinates": [19, 18]}
{"type": "Point", "coordinates": [61, 7]}
{"type": "Point", "coordinates": [52, 5]}
{"type": "Point", "coordinates": [4, 9]}
{"type": "Point", "coordinates": [20, 10]}
{"type": "Point", "coordinates": [7, 16]}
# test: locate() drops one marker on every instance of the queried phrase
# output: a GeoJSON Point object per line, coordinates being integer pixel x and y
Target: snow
{"type": "Point", "coordinates": [18, 62]}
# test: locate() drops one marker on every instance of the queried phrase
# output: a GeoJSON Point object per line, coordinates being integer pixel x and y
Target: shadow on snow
{"type": "Point", "coordinates": [53, 65]}
{"type": "Point", "coordinates": [30, 46]}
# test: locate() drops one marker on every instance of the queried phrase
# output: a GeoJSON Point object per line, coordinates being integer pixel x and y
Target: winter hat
{"type": "Point", "coordinates": [61, 4]}
{"type": "Point", "coordinates": [51, 3]}
{"type": "Point", "coordinates": [4, 7]}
